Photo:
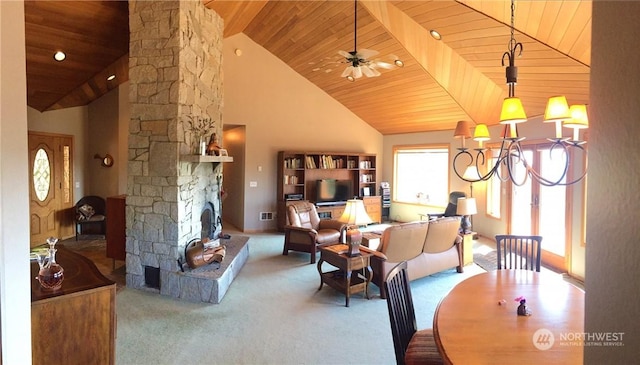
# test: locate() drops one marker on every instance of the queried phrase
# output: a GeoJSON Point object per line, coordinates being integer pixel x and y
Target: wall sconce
{"type": "Point", "coordinates": [106, 161]}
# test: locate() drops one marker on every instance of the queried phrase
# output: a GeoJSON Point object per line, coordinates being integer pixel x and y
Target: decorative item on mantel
{"type": "Point", "coordinates": [213, 149]}
{"type": "Point", "coordinates": [201, 127]}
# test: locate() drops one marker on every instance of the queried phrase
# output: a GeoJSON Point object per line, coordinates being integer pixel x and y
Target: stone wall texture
{"type": "Point", "coordinates": [175, 73]}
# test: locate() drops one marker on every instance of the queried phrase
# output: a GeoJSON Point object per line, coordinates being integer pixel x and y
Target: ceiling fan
{"type": "Point", "coordinates": [360, 62]}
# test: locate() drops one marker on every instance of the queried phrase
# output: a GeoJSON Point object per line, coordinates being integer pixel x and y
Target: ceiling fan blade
{"type": "Point", "coordinates": [368, 71]}
{"type": "Point", "coordinates": [372, 72]}
{"type": "Point", "coordinates": [344, 54]}
{"type": "Point", "coordinates": [366, 53]}
{"type": "Point", "coordinates": [382, 64]}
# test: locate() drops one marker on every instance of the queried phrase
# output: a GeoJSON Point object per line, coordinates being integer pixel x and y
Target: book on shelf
{"type": "Point", "coordinates": [310, 163]}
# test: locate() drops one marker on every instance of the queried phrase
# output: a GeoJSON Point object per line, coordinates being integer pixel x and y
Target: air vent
{"type": "Point", "coordinates": [266, 216]}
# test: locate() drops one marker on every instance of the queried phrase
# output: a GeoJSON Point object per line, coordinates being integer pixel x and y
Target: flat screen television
{"type": "Point", "coordinates": [331, 191]}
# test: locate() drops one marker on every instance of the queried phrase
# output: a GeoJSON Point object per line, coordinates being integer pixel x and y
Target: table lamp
{"type": "Point", "coordinates": [466, 208]}
{"type": "Point", "coordinates": [354, 215]}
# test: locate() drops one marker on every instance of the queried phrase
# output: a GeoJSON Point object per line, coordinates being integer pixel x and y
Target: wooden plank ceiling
{"type": "Point", "coordinates": [459, 77]}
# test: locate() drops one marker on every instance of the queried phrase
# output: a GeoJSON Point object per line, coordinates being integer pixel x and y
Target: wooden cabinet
{"type": "Point", "coordinates": [373, 206]}
{"type": "Point", "coordinates": [76, 323]}
{"type": "Point", "coordinates": [330, 211]}
{"type": "Point", "coordinates": [298, 173]}
{"type": "Point", "coordinates": [116, 226]}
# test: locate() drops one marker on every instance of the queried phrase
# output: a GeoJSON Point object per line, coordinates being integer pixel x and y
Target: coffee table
{"type": "Point", "coordinates": [343, 279]}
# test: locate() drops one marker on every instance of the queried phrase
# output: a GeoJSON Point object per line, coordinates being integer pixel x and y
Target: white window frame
{"type": "Point", "coordinates": [420, 183]}
{"type": "Point", "coordinates": [494, 188]}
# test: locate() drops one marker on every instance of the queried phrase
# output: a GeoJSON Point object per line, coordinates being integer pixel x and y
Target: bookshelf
{"type": "Point", "coordinates": [298, 172]}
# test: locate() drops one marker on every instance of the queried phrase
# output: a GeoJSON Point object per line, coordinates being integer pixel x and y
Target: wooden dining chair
{"type": "Point", "coordinates": [411, 346]}
{"type": "Point", "coordinates": [519, 252]}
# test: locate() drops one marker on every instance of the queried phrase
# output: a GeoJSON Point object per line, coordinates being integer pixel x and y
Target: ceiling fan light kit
{"type": "Point", "coordinates": [511, 152]}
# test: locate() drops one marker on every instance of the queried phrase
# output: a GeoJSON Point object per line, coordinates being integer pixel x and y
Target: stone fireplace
{"type": "Point", "coordinates": [175, 73]}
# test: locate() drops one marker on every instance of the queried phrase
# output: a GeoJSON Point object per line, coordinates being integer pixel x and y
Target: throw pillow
{"type": "Point", "coordinates": [86, 211]}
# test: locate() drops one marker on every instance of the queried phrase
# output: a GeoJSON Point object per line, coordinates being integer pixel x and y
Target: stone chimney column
{"type": "Point", "coordinates": [175, 73]}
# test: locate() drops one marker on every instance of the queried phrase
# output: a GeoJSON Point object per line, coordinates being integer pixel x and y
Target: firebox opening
{"type": "Point", "coordinates": [208, 221]}
{"type": "Point", "coordinates": [152, 277]}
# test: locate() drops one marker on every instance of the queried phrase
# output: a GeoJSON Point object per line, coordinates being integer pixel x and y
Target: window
{"type": "Point", "coordinates": [41, 174]}
{"type": "Point", "coordinates": [421, 174]}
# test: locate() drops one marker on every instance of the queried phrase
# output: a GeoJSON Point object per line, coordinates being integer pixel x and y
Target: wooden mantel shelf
{"type": "Point", "coordinates": [200, 158]}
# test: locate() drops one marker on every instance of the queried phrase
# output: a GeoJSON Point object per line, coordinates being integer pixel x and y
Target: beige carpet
{"type": "Point", "coordinates": [273, 313]}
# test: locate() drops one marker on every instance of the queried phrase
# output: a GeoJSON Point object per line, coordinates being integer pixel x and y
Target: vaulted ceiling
{"type": "Point", "coordinates": [460, 77]}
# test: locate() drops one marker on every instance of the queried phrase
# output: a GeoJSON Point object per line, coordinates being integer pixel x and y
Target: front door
{"type": "Point", "coordinates": [50, 187]}
{"type": "Point", "coordinates": [542, 210]}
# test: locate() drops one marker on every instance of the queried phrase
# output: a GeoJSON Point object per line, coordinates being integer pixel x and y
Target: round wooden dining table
{"type": "Point", "coordinates": [477, 322]}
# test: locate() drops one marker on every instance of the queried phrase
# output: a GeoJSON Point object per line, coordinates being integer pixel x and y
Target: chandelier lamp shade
{"type": "Point", "coordinates": [511, 153]}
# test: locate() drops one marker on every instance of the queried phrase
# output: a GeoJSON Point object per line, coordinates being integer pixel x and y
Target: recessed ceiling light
{"type": "Point", "coordinates": [59, 56]}
{"type": "Point", "coordinates": [434, 33]}
{"type": "Point", "coordinates": [399, 63]}
{"type": "Point", "coordinates": [351, 78]}
{"type": "Point", "coordinates": [111, 77]}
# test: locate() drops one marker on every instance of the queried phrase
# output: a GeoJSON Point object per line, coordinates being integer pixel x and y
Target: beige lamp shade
{"type": "Point", "coordinates": [467, 206]}
{"type": "Point", "coordinates": [557, 109]}
{"type": "Point", "coordinates": [355, 214]}
{"type": "Point", "coordinates": [512, 111]}
{"type": "Point", "coordinates": [471, 173]}
{"type": "Point", "coordinates": [463, 129]}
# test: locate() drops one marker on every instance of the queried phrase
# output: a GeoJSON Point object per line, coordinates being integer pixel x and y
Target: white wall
{"type": "Point", "coordinates": [613, 231]}
{"type": "Point", "coordinates": [101, 127]}
{"type": "Point", "coordinates": [234, 138]}
{"type": "Point", "coordinates": [15, 275]}
{"type": "Point", "coordinates": [282, 111]}
{"type": "Point", "coordinates": [69, 121]}
{"type": "Point", "coordinates": [124, 118]}
{"type": "Point", "coordinates": [103, 138]}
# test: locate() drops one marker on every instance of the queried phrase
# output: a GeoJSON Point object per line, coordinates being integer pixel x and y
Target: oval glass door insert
{"type": "Point", "coordinates": [41, 174]}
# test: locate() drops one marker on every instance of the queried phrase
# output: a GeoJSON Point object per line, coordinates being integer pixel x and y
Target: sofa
{"type": "Point", "coordinates": [427, 246]}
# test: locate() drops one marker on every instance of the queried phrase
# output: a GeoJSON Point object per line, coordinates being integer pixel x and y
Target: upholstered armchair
{"type": "Point", "coordinates": [306, 232]}
{"type": "Point", "coordinates": [450, 211]}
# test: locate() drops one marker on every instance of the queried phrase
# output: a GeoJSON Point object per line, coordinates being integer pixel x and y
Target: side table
{"type": "Point", "coordinates": [467, 248]}
{"type": "Point", "coordinates": [343, 278]}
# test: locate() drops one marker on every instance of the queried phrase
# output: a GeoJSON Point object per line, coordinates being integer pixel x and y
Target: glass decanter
{"type": "Point", "coordinates": [51, 274]}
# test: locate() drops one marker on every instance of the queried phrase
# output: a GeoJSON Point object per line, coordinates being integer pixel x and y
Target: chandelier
{"type": "Point", "coordinates": [511, 154]}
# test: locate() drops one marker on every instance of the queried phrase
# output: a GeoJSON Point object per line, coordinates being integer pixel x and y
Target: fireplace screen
{"type": "Point", "coordinates": [211, 222]}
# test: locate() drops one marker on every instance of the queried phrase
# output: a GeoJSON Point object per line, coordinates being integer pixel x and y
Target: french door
{"type": "Point", "coordinates": [542, 210]}
{"type": "Point", "coordinates": [50, 187]}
